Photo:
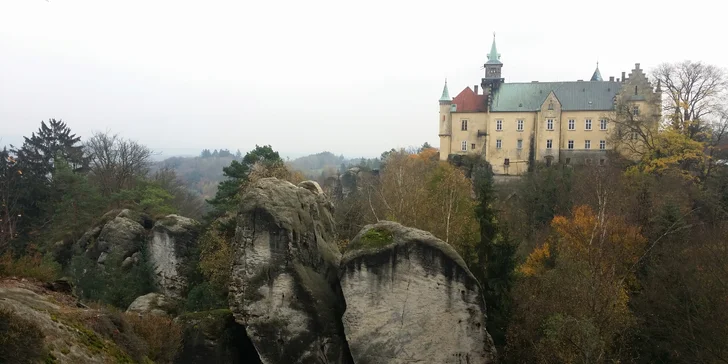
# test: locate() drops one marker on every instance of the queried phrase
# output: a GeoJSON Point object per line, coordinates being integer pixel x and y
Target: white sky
{"type": "Point", "coordinates": [353, 78]}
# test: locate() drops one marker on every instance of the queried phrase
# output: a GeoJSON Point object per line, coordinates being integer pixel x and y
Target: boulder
{"type": "Point", "coordinates": [119, 234]}
{"type": "Point", "coordinates": [171, 253]}
{"type": "Point", "coordinates": [152, 303]}
{"type": "Point", "coordinates": [284, 280]}
{"type": "Point", "coordinates": [411, 299]}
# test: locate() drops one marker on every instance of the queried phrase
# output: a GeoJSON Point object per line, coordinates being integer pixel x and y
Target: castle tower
{"type": "Point", "coordinates": [493, 78]}
{"type": "Point", "coordinates": [445, 123]}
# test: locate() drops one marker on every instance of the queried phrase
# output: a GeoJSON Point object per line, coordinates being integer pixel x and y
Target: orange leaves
{"type": "Point", "coordinates": [605, 244]}
{"type": "Point", "coordinates": [535, 263]}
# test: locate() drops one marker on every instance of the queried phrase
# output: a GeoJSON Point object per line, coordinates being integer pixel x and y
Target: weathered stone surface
{"type": "Point", "coordinates": [152, 303]}
{"type": "Point", "coordinates": [284, 287]}
{"type": "Point", "coordinates": [170, 253]}
{"type": "Point", "coordinates": [214, 337]}
{"type": "Point", "coordinates": [118, 235]}
{"type": "Point", "coordinates": [411, 299]}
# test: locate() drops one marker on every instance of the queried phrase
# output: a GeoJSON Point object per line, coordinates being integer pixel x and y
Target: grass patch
{"type": "Point", "coordinates": [372, 239]}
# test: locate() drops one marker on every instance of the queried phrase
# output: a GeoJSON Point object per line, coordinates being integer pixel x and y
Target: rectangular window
{"type": "Point", "coordinates": [499, 125]}
{"type": "Point", "coordinates": [636, 110]}
{"type": "Point", "coordinates": [572, 124]}
{"type": "Point", "coordinates": [602, 144]}
{"type": "Point", "coordinates": [549, 124]}
{"type": "Point", "coordinates": [549, 144]}
{"type": "Point", "coordinates": [587, 144]}
{"type": "Point", "coordinates": [472, 146]}
{"type": "Point", "coordinates": [603, 124]}
{"type": "Point", "coordinates": [464, 146]}
{"type": "Point", "coordinates": [571, 144]}
{"type": "Point", "coordinates": [464, 125]}
{"type": "Point", "coordinates": [519, 145]}
{"type": "Point", "coordinates": [520, 125]}
{"type": "Point", "coordinates": [587, 124]}
{"type": "Point", "coordinates": [498, 144]}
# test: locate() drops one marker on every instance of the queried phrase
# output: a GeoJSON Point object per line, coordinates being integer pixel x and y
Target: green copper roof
{"type": "Point", "coordinates": [597, 76]}
{"type": "Point", "coordinates": [445, 93]}
{"type": "Point", "coordinates": [572, 95]}
{"type": "Point", "coordinates": [493, 56]}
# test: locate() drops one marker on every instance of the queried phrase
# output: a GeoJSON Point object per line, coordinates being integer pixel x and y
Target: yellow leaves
{"type": "Point", "coordinates": [607, 245]}
{"type": "Point", "coordinates": [535, 263]}
{"type": "Point", "coordinates": [674, 151]}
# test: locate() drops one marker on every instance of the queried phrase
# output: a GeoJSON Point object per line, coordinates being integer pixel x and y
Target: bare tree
{"type": "Point", "coordinates": [116, 163]}
{"type": "Point", "coordinates": [694, 95]}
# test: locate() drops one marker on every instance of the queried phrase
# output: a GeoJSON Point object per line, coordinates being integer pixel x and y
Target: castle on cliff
{"type": "Point", "coordinates": [515, 124]}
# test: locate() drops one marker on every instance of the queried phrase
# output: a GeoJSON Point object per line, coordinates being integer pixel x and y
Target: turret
{"type": "Point", "coordinates": [492, 79]}
{"type": "Point", "coordinates": [445, 122]}
{"type": "Point", "coordinates": [596, 76]}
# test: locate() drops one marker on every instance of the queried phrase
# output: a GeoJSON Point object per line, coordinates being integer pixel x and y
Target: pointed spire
{"type": "Point", "coordinates": [597, 76]}
{"type": "Point", "coordinates": [493, 56]}
{"type": "Point", "coordinates": [445, 93]}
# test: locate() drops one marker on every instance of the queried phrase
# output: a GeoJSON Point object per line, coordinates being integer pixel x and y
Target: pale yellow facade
{"type": "Point", "coordinates": [510, 141]}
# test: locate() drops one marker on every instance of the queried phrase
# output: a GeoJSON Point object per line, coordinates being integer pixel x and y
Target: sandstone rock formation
{"type": "Point", "coordinates": [119, 235]}
{"type": "Point", "coordinates": [411, 299]}
{"type": "Point", "coordinates": [170, 253]}
{"type": "Point", "coordinates": [152, 303]}
{"type": "Point", "coordinates": [284, 287]}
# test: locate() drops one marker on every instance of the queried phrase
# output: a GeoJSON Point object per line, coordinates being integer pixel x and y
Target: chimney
{"type": "Point", "coordinates": [636, 66]}
{"type": "Point", "coordinates": [624, 78]}
{"type": "Point", "coordinates": [611, 78]}
{"type": "Point", "coordinates": [618, 80]}
{"type": "Point", "coordinates": [476, 89]}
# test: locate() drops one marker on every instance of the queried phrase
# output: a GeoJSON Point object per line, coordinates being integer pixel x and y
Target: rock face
{"type": "Point", "coordinates": [120, 234]}
{"type": "Point", "coordinates": [152, 303]}
{"type": "Point", "coordinates": [284, 288]}
{"type": "Point", "coordinates": [411, 299]}
{"type": "Point", "coordinates": [170, 253]}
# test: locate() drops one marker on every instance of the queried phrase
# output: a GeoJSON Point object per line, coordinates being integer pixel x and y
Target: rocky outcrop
{"type": "Point", "coordinates": [411, 299]}
{"type": "Point", "coordinates": [171, 250]}
{"type": "Point", "coordinates": [120, 234]}
{"type": "Point", "coordinates": [152, 303]}
{"type": "Point", "coordinates": [284, 285]}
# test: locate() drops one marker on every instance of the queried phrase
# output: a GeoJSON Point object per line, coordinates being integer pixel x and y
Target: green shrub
{"type": "Point", "coordinates": [33, 265]}
{"type": "Point", "coordinates": [110, 283]}
{"type": "Point", "coordinates": [21, 341]}
{"type": "Point", "coordinates": [204, 297]}
{"type": "Point", "coordinates": [162, 336]}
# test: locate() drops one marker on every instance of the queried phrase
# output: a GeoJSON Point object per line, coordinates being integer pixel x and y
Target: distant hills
{"type": "Point", "coordinates": [202, 173]}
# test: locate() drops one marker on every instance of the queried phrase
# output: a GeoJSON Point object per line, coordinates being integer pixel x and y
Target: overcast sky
{"type": "Point", "coordinates": [351, 77]}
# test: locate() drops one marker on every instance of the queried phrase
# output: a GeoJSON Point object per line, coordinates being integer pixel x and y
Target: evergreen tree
{"type": "Point", "coordinates": [206, 153]}
{"type": "Point", "coordinates": [227, 196]}
{"type": "Point", "coordinates": [36, 159]}
{"type": "Point", "coordinates": [495, 255]}
{"type": "Point", "coordinates": [11, 208]}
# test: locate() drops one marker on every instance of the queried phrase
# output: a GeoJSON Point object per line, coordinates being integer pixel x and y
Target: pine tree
{"type": "Point", "coordinates": [495, 254]}
{"type": "Point", "coordinates": [227, 196]}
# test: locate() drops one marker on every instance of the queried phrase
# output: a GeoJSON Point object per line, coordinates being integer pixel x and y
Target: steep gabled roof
{"type": "Point", "coordinates": [468, 101]}
{"type": "Point", "coordinates": [572, 95]}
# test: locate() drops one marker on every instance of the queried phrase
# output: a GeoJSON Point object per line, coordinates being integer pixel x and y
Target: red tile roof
{"type": "Point", "coordinates": [468, 101]}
